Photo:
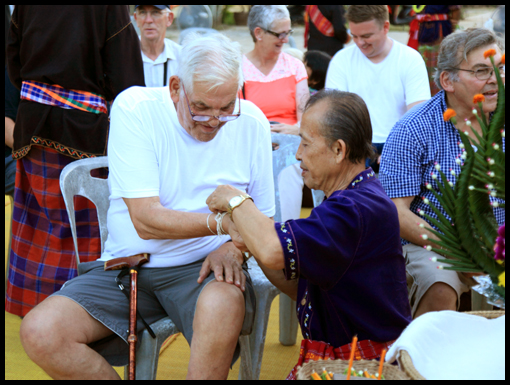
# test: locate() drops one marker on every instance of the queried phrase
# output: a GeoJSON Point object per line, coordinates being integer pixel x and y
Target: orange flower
{"type": "Point", "coordinates": [489, 52]}
{"type": "Point", "coordinates": [503, 59]}
{"type": "Point", "coordinates": [478, 99]}
{"type": "Point", "coordinates": [448, 114]}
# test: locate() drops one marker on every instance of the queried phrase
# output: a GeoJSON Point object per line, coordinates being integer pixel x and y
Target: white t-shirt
{"type": "Point", "coordinates": [151, 154]}
{"type": "Point", "coordinates": [154, 70]}
{"type": "Point", "coordinates": [387, 87]}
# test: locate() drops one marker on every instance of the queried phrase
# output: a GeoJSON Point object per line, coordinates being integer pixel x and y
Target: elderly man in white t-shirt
{"type": "Point", "coordinates": [169, 148]}
{"type": "Point", "coordinates": [389, 76]}
{"type": "Point", "coordinates": [160, 55]}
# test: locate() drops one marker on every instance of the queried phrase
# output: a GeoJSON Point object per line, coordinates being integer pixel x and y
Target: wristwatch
{"type": "Point", "coordinates": [237, 201]}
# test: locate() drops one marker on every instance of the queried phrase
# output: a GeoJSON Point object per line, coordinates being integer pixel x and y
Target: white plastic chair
{"type": "Point", "coordinates": [75, 179]}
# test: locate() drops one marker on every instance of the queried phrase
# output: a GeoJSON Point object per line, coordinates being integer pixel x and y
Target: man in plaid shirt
{"type": "Point", "coordinates": [420, 143]}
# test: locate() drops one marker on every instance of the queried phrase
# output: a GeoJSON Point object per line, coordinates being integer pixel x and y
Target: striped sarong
{"type": "Point", "coordinates": [55, 95]}
{"type": "Point", "coordinates": [317, 350]}
{"type": "Point", "coordinates": [323, 25]}
{"type": "Point", "coordinates": [42, 256]}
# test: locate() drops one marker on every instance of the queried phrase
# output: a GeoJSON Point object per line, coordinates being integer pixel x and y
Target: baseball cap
{"type": "Point", "coordinates": [162, 7]}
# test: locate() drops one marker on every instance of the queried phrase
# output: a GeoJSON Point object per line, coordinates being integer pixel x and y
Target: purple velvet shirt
{"type": "Point", "coordinates": [348, 258]}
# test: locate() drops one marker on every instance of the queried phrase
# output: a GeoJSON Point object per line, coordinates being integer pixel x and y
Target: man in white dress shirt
{"type": "Point", "coordinates": [159, 54]}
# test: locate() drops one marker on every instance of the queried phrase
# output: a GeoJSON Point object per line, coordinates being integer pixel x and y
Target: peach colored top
{"type": "Point", "coordinates": [275, 94]}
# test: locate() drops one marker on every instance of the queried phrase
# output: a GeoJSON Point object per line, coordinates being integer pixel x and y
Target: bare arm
{"type": "Point", "coordinates": [251, 230]}
{"type": "Point", "coordinates": [302, 96]}
{"type": "Point", "coordinates": [414, 104]}
{"type": "Point", "coordinates": [277, 278]}
{"type": "Point", "coordinates": [9, 132]}
{"type": "Point", "coordinates": [153, 221]}
{"type": "Point", "coordinates": [409, 221]}
{"type": "Point", "coordinates": [259, 235]}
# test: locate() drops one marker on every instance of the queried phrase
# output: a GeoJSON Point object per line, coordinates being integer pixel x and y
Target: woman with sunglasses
{"type": "Point", "coordinates": [277, 83]}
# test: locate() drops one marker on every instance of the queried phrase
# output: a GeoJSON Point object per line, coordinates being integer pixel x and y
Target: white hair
{"type": "Point", "coordinates": [212, 59]}
{"type": "Point", "coordinates": [264, 16]}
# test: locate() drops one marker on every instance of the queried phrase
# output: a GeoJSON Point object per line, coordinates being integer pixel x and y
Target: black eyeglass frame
{"type": "Point", "coordinates": [278, 35]}
{"type": "Point", "coordinates": [221, 118]}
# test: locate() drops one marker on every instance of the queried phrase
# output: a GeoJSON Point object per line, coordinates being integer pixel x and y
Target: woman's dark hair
{"type": "Point", "coordinates": [318, 62]}
{"type": "Point", "coordinates": [348, 119]}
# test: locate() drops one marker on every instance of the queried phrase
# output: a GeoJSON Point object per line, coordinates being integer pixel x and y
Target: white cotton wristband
{"type": "Point", "coordinates": [209, 227]}
{"type": "Point", "coordinates": [219, 227]}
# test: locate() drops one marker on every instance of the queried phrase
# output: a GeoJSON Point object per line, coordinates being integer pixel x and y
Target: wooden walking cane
{"type": "Point", "coordinates": [132, 263]}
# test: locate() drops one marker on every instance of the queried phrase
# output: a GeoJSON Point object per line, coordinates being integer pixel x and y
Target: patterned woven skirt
{"type": "Point", "coordinates": [318, 350]}
{"type": "Point", "coordinates": [430, 54]}
{"type": "Point", "coordinates": [42, 256]}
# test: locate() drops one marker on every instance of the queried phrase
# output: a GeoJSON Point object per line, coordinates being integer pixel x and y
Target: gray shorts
{"type": "Point", "coordinates": [423, 273]}
{"type": "Point", "coordinates": [162, 292]}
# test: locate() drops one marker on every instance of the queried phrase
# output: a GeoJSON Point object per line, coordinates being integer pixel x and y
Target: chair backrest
{"type": "Point", "coordinates": [283, 157]}
{"type": "Point", "coordinates": [75, 179]}
{"type": "Point", "coordinates": [318, 197]}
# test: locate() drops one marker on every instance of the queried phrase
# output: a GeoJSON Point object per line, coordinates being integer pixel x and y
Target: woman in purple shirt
{"type": "Point", "coordinates": [343, 265]}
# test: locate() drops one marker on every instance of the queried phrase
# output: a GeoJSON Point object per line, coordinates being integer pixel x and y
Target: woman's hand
{"type": "Point", "coordinates": [219, 199]}
{"type": "Point", "coordinates": [284, 129]}
{"type": "Point", "coordinates": [231, 228]}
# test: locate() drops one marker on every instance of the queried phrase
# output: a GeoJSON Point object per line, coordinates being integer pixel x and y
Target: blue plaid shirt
{"type": "Point", "coordinates": [419, 140]}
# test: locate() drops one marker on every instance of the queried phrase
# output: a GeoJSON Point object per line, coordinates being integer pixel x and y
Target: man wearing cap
{"type": "Point", "coordinates": [159, 54]}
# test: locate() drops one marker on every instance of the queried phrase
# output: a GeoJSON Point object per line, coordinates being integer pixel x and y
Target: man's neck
{"type": "Point", "coordinates": [344, 177]}
{"type": "Point", "coordinates": [388, 45]}
{"type": "Point", "coordinates": [153, 48]}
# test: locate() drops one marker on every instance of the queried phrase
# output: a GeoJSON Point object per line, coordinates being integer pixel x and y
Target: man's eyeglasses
{"type": "Point", "coordinates": [484, 73]}
{"type": "Point", "coordinates": [155, 14]}
{"type": "Point", "coordinates": [281, 35]}
{"type": "Point", "coordinates": [206, 118]}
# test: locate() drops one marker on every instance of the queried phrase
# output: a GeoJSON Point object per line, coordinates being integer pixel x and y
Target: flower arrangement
{"type": "Point", "coordinates": [471, 242]}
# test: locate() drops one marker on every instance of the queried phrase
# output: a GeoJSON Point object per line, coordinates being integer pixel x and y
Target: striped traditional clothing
{"type": "Point", "coordinates": [67, 60]}
{"type": "Point", "coordinates": [42, 256]}
{"type": "Point", "coordinates": [55, 95]}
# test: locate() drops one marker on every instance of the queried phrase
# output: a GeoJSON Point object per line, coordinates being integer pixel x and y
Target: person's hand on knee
{"type": "Point", "coordinates": [226, 262]}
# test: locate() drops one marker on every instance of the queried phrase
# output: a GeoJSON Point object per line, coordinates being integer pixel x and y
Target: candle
{"type": "Point", "coordinates": [351, 358]}
{"type": "Point", "coordinates": [325, 375]}
{"type": "Point", "coordinates": [315, 376]}
{"type": "Point", "coordinates": [381, 363]}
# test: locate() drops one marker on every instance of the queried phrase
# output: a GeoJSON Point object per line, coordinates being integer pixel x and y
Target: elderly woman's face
{"type": "Point", "coordinates": [270, 42]}
{"type": "Point", "coordinates": [318, 160]}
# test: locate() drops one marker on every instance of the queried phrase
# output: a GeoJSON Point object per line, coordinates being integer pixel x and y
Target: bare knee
{"type": "Point", "coordinates": [38, 332]}
{"type": "Point", "coordinates": [56, 323]}
{"type": "Point", "coordinates": [438, 297]}
{"type": "Point", "coordinates": [220, 300]}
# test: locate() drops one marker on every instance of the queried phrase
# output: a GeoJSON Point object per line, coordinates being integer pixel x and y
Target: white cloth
{"type": "Point", "coordinates": [387, 88]}
{"type": "Point", "coordinates": [150, 154]}
{"type": "Point", "coordinates": [154, 70]}
{"type": "Point", "coordinates": [447, 345]}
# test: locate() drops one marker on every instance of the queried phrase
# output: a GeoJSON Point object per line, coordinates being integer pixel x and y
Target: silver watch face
{"type": "Point", "coordinates": [235, 201]}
